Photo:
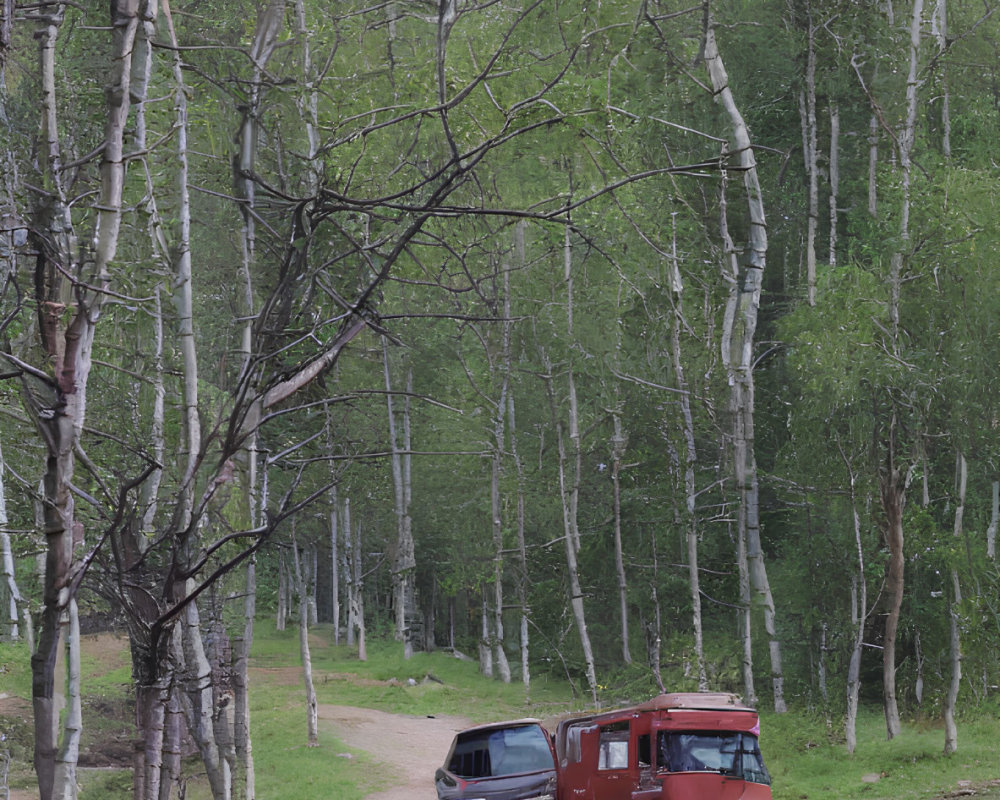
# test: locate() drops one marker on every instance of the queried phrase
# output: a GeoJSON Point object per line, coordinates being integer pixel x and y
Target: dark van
{"type": "Point", "coordinates": [683, 746]}
{"type": "Point", "coordinates": [501, 761]}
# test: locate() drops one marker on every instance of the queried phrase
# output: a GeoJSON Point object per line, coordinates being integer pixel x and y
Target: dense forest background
{"type": "Point", "coordinates": [642, 342]}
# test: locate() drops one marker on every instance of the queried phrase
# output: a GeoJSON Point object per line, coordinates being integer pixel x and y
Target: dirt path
{"type": "Point", "coordinates": [410, 748]}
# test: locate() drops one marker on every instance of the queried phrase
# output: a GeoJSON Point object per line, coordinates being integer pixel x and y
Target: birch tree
{"type": "Point", "coordinates": [312, 710]}
{"type": "Point", "coordinates": [893, 488]}
{"type": "Point", "coordinates": [744, 273]}
{"type": "Point", "coordinates": [71, 292]}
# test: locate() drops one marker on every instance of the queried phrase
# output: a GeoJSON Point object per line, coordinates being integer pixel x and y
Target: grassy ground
{"type": "Point", "coordinates": [809, 761]}
{"type": "Point", "coordinates": [807, 758]}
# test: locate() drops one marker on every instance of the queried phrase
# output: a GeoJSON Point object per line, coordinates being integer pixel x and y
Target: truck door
{"type": "Point", "coordinates": [616, 773]}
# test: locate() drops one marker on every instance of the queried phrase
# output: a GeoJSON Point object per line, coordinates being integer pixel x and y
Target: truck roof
{"type": "Point", "coordinates": [674, 701]}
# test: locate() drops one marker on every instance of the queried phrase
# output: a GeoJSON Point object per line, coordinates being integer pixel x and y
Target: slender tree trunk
{"type": "Point", "coordinates": [991, 531]}
{"type": "Point", "coordinates": [918, 681]}
{"type": "Point", "coordinates": [873, 165]}
{"type": "Point", "coordinates": [143, 66]}
{"type": "Point", "coordinates": [69, 750]}
{"type": "Point", "coordinates": [282, 613]}
{"type": "Point", "coordinates": [690, 462]}
{"type": "Point", "coordinates": [571, 538]}
{"type": "Point", "coordinates": [150, 707]}
{"type": "Point", "coordinates": [335, 561]}
{"type": "Point", "coordinates": [312, 709]}
{"type": "Point", "coordinates": [834, 180]}
{"type": "Point", "coordinates": [619, 441]}
{"type": "Point", "coordinates": [745, 617]}
{"type": "Point", "coordinates": [199, 704]}
{"type": "Point", "coordinates": [500, 655]}
{"type": "Point", "coordinates": [653, 628]}
{"type": "Point", "coordinates": [522, 550]}
{"type": "Point", "coordinates": [349, 572]}
{"type": "Point", "coordinates": [893, 488]}
{"type": "Point", "coordinates": [859, 614]}
{"type": "Point", "coordinates": [311, 557]}
{"type": "Point", "coordinates": [9, 594]}
{"type": "Point", "coordinates": [405, 563]}
{"type": "Point", "coordinates": [67, 319]}
{"type": "Point", "coordinates": [939, 29]}
{"type": "Point", "coordinates": [243, 776]}
{"type": "Point", "coordinates": [954, 612]}
{"type": "Point", "coordinates": [906, 140]}
{"type": "Point", "coordinates": [496, 505]}
{"type": "Point", "coordinates": [810, 142]}
{"type": "Point", "coordinates": [359, 590]}
{"type": "Point", "coordinates": [821, 670]}
{"type": "Point", "coordinates": [738, 340]}
{"type": "Point", "coordinates": [893, 501]}
{"type": "Point", "coordinates": [485, 643]}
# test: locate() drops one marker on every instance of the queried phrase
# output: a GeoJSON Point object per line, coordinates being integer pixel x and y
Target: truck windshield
{"type": "Point", "coordinates": [724, 752]}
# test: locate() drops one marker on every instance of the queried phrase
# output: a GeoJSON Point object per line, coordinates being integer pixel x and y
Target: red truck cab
{"type": "Point", "coordinates": [682, 746]}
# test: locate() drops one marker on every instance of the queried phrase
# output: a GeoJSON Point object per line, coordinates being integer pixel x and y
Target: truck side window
{"type": "Point", "coordinates": [613, 746]}
{"type": "Point", "coordinates": [574, 748]}
{"type": "Point", "coordinates": [642, 745]}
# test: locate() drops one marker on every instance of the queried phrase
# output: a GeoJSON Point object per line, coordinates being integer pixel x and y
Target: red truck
{"type": "Point", "coordinates": [684, 746]}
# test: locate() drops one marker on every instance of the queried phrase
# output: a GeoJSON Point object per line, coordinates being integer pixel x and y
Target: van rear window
{"type": "Point", "coordinates": [506, 751]}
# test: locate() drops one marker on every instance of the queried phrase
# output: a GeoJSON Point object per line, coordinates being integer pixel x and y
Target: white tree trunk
{"type": "Point", "coordinates": [893, 489]}
{"type": "Point", "coordinates": [954, 612]}
{"type": "Point", "coordinates": [522, 579]}
{"type": "Point", "coordinates": [69, 750]}
{"type": "Point", "coordinates": [282, 613]}
{"type": "Point", "coordinates": [873, 165]}
{"type": "Point", "coordinates": [9, 594]}
{"type": "Point", "coordinates": [859, 614]}
{"type": "Point", "coordinates": [991, 531]}
{"type": "Point", "coordinates": [690, 462]}
{"type": "Point", "coordinates": [335, 561]}
{"type": "Point", "coordinates": [737, 352]}
{"type": "Point", "coordinates": [199, 703]}
{"type": "Point", "coordinates": [311, 558]}
{"type": "Point", "coordinates": [359, 594]}
{"type": "Point", "coordinates": [68, 315]}
{"type": "Point", "coordinates": [500, 655]}
{"type": "Point", "coordinates": [618, 443]}
{"type": "Point", "coordinates": [301, 587]}
{"type": "Point", "coordinates": [485, 643]}
{"type": "Point", "coordinates": [810, 141]}
{"type": "Point", "coordinates": [939, 29]}
{"type": "Point", "coordinates": [405, 563]}
{"type": "Point", "coordinates": [571, 538]}
{"type": "Point", "coordinates": [244, 779]}
{"type": "Point", "coordinates": [834, 180]}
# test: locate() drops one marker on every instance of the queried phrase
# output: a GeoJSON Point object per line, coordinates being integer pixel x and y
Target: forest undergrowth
{"type": "Point", "coordinates": [804, 749]}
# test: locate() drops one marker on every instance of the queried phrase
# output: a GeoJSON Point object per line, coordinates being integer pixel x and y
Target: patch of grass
{"type": "Point", "coordinates": [286, 767]}
{"type": "Point", "coordinates": [102, 784]}
{"type": "Point", "coordinates": [809, 761]}
{"type": "Point", "coordinates": [427, 683]}
{"type": "Point", "coordinates": [15, 668]}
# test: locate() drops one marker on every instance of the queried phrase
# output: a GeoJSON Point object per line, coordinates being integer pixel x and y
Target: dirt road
{"type": "Point", "coordinates": [410, 748]}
